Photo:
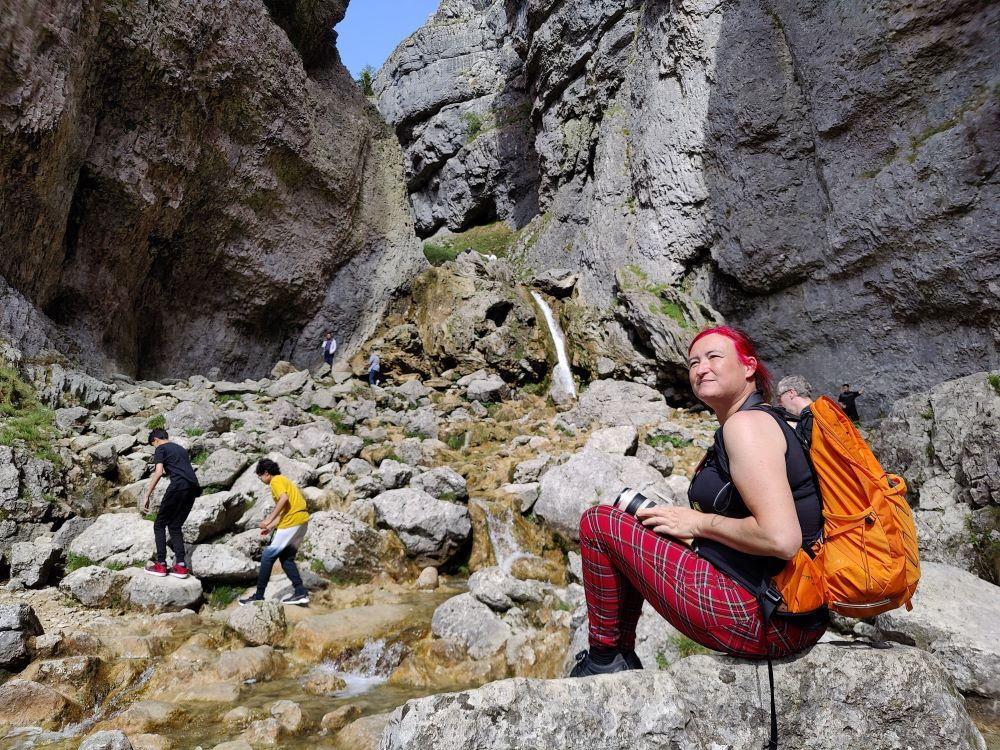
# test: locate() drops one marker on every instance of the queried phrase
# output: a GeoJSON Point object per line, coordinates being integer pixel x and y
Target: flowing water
{"type": "Point", "coordinates": [561, 375]}
{"type": "Point", "coordinates": [506, 548]}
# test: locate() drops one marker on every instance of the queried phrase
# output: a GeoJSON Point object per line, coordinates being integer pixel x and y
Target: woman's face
{"type": "Point", "coordinates": [715, 371]}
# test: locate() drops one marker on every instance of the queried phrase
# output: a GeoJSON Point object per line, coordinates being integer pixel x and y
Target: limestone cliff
{"type": "Point", "coordinates": [823, 175]}
{"type": "Point", "coordinates": [191, 184]}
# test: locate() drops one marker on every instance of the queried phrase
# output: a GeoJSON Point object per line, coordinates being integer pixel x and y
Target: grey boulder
{"type": "Point", "coordinates": [213, 514]}
{"type": "Point", "coordinates": [432, 530]}
{"type": "Point", "coordinates": [465, 620]}
{"type": "Point", "coordinates": [93, 586]}
{"type": "Point", "coordinates": [259, 623]}
{"type": "Point", "coordinates": [153, 594]}
{"type": "Point", "coordinates": [220, 563]}
{"type": "Point", "coordinates": [116, 538]}
{"type": "Point", "coordinates": [442, 482]}
{"type": "Point", "coordinates": [339, 542]}
{"type": "Point", "coordinates": [221, 468]}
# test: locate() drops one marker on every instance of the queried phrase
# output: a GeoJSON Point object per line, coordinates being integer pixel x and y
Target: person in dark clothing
{"type": "Point", "coordinates": [172, 460]}
{"type": "Point", "coordinates": [847, 397]}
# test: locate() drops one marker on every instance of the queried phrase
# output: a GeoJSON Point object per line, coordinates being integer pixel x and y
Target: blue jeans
{"type": "Point", "coordinates": [283, 547]}
{"type": "Point", "coordinates": [372, 377]}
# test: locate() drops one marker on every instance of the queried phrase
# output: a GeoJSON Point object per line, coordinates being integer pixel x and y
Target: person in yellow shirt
{"type": "Point", "coordinates": [289, 521]}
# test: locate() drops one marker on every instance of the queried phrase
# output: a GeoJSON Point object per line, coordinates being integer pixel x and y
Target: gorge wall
{"type": "Point", "coordinates": [823, 175]}
{"type": "Point", "coordinates": [186, 185]}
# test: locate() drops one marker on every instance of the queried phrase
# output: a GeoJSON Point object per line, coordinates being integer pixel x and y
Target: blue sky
{"type": "Point", "coordinates": [372, 28]}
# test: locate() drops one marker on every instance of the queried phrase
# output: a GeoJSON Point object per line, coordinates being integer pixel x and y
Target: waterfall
{"type": "Point", "coordinates": [562, 379]}
{"type": "Point", "coordinates": [506, 549]}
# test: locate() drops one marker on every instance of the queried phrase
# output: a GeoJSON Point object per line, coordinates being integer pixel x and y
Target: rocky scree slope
{"type": "Point", "coordinates": [192, 184]}
{"type": "Point", "coordinates": [810, 184]}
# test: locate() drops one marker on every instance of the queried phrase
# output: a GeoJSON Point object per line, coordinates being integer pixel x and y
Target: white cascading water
{"type": "Point", "coordinates": [506, 548]}
{"type": "Point", "coordinates": [369, 667]}
{"type": "Point", "coordinates": [561, 375]}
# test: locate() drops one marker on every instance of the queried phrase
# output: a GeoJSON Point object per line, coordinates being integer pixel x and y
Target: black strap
{"type": "Point", "coordinates": [769, 599]}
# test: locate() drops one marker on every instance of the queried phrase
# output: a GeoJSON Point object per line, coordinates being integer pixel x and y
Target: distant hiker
{"type": "Point", "coordinates": [172, 460]}
{"type": "Point", "coordinates": [289, 520]}
{"type": "Point", "coordinates": [329, 347]}
{"type": "Point", "coordinates": [753, 504]}
{"type": "Point", "coordinates": [374, 365]}
{"type": "Point", "coordinates": [847, 397]}
{"type": "Point", "coordinates": [794, 394]}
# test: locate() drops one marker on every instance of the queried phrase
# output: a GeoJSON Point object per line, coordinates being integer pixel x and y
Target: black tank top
{"type": "Point", "coordinates": [712, 491]}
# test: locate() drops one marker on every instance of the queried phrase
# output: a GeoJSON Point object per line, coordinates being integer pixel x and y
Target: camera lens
{"type": "Point", "coordinates": [631, 501]}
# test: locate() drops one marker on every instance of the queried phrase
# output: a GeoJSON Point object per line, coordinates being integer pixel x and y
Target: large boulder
{"type": "Point", "coordinates": [259, 623]}
{"type": "Point", "coordinates": [18, 624]}
{"type": "Point", "coordinates": [31, 563]}
{"type": "Point", "coordinates": [212, 515]}
{"type": "Point", "coordinates": [190, 418]}
{"type": "Point", "coordinates": [590, 477]}
{"type": "Point", "coordinates": [430, 529]}
{"type": "Point", "coordinates": [954, 616]}
{"type": "Point", "coordinates": [616, 403]}
{"type": "Point", "coordinates": [27, 703]}
{"type": "Point", "coordinates": [443, 483]}
{"type": "Point", "coordinates": [116, 539]}
{"type": "Point", "coordinates": [94, 586]}
{"type": "Point", "coordinates": [473, 625]}
{"type": "Point", "coordinates": [341, 543]}
{"type": "Point", "coordinates": [153, 594]}
{"type": "Point", "coordinates": [221, 468]}
{"type": "Point", "coordinates": [825, 700]}
{"type": "Point", "coordinates": [221, 563]}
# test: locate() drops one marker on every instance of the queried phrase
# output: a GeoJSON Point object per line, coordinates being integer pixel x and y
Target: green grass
{"type": "Point", "coordinates": [199, 458]}
{"type": "Point", "coordinates": [222, 596]}
{"type": "Point", "coordinates": [317, 567]}
{"type": "Point", "coordinates": [225, 397]}
{"type": "Point", "coordinates": [994, 382]}
{"type": "Point", "coordinates": [23, 419]}
{"type": "Point", "coordinates": [194, 431]}
{"type": "Point", "coordinates": [75, 562]}
{"type": "Point", "coordinates": [489, 239]}
{"type": "Point", "coordinates": [927, 413]}
{"type": "Point", "coordinates": [237, 425]}
{"type": "Point", "coordinates": [212, 489]}
{"type": "Point", "coordinates": [415, 434]}
{"type": "Point", "coordinates": [149, 517]}
{"type": "Point", "coordinates": [456, 442]}
{"type": "Point", "coordinates": [157, 422]}
{"type": "Point", "coordinates": [661, 660]}
{"type": "Point", "coordinates": [335, 417]}
{"type": "Point", "coordinates": [473, 125]}
{"type": "Point", "coordinates": [659, 441]}
{"type": "Point", "coordinates": [686, 646]}
{"type": "Point", "coordinates": [535, 389]}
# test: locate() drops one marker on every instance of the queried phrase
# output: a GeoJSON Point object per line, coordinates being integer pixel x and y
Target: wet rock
{"type": "Point", "coordinates": [526, 494]}
{"type": "Point", "coordinates": [146, 715]}
{"type": "Point", "coordinates": [468, 622]}
{"type": "Point", "coordinates": [221, 468]}
{"type": "Point", "coordinates": [500, 590]}
{"type": "Point", "coordinates": [332, 634]}
{"type": "Point", "coordinates": [589, 477]}
{"type": "Point", "coordinates": [322, 682]}
{"type": "Point", "coordinates": [27, 703]}
{"type": "Point", "coordinates": [77, 677]}
{"type": "Point", "coordinates": [620, 441]}
{"type": "Point", "coordinates": [240, 744]}
{"type": "Point", "coordinates": [442, 482]}
{"type": "Point", "coordinates": [152, 594]}
{"type": "Point", "coordinates": [428, 579]}
{"type": "Point", "coordinates": [116, 538]}
{"type": "Point", "coordinates": [922, 709]}
{"type": "Point", "coordinates": [429, 528]}
{"type": "Point", "coordinates": [94, 586]}
{"type": "Point", "coordinates": [259, 623]}
{"type": "Point", "coordinates": [557, 282]}
{"type": "Point", "coordinates": [363, 734]}
{"type": "Point", "coordinates": [289, 714]}
{"type": "Point", "coordinates": [212, 515]}
{"type": "Point", "coordinates": [263, 732]}
{"type": "Point", "coordinates": [337, 719]}
{"type": "Point", "coordinates": [260, 663]}
{"type": "Point", "coordinates": [148, 741]}
{"type": "Point", "coordinates": [954, 617]}
{"type": "Point", "coordinates": [110, 739]}
{"type": "Point", "coordinates": [212, 692]}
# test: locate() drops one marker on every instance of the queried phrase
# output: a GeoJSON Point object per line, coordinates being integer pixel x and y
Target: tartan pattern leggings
{"type": "Point", "coordinates": [624, 563]}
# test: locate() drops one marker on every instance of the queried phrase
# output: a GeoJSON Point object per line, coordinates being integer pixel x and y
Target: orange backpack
{"type": "Point", "coordinates": [866, 560]}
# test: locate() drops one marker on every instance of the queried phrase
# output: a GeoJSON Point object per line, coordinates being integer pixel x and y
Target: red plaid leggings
{"type": "Point", "coordinates": [624, 563]}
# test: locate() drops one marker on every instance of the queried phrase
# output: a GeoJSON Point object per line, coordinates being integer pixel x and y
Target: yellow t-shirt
{"type": "Point", "coordinates": [296, 515]}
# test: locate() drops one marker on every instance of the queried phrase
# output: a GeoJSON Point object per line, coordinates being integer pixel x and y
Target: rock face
{"type": "Point", "coordinates": [705, 702]}
{"type": "Point", "coordinates": [186, 149]}
{"type": "Point", "coordinates": [738, 154]}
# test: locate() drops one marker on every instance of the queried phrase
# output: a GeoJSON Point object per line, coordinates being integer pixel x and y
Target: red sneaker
{"type": "Point", "coordinates": [156, 569]}
{"type": "Point", "coordinates": [179, 571]}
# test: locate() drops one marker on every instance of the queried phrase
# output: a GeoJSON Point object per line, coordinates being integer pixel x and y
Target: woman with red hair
{"type": "Point", "coordinates": [753, 504]}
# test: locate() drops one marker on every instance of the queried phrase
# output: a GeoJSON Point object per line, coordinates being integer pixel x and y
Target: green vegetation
{"type": "Point", "coordinates": [199, 458]}
{"type": "Point", "coordinates": [222, 596]}
{"type": "Point", "coordinates": [157, 422]}
{"type": "Point", "coordinates": [473, 125]}
{"type": "Point", "coordinates": [212, 489]}
{"type": "Point", "coordinates": [686, 646]}
{"type": "Point", "coordinates": [974, 102]}
{"type": "Point", "coordinates": [535, 389]}
{"type": "Point", "coordinates": [237, 425]}
{"type": "Point", "coordinates": [149, 517]}
{"type": "Point", "coordinates": [366, 80]}
{"type": "Point", "coordinates": [335, 417]}
{"type": "Point", "coordinates": [415, 434]}
{"type": "Point", "coordinates": [316, 566]}
{"type": "Point", "coordinates": [194, 431]}
{"type": "Point", "coordinates": [927, 413]}
{"type": "Point", "coordinates": [490, 239]}
{"type": "Point", "coordinates": [659, 441]}
{"type": "Point", "coordinates": [456, 442]}
{"type": "Point", "coordinates": [75, 562]}
{"type": "Point", "coordinates": [661, 660]}
{"type": "Point", "coordinates": [226, 397]}
{"type": "Point", "coordinates": [665, 304]}
{"type": "Point", "coordinates": [23, 419]}
{"type": "Point", "coordinates": [994, 381]}
{"type": "Point", "coordinates": [984, 536]}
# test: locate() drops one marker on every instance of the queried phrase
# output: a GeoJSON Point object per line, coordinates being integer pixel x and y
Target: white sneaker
{"type": "Point", "coordinates": [296, 599]}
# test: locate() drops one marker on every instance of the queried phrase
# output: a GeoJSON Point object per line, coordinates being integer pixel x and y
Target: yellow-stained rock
{"type": "Point", "coordinates": [332, 634]}
{"type": "Point", "coordinates": [212, 692]}
{"type": "Point", "coordinates": [28, 703]}
{"type": "Point", "coordinates": [259, 663]}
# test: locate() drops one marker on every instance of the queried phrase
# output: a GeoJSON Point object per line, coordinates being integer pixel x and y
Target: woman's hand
{"type": "Point", "coordinates": [683, 524]}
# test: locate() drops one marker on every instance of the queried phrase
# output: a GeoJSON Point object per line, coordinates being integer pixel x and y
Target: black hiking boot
{"type": "Point", "coordinates": [585, 666]}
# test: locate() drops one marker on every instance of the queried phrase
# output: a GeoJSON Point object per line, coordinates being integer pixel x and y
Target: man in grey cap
{"type": "Point", "coordinates": [794, 394]}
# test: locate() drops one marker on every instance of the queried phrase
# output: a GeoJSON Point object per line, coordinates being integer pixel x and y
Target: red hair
{"type": "Point", "coordinates": [745, 350]}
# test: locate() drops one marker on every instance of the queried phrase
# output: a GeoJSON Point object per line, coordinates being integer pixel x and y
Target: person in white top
{"type": "Point", "coordinates": [329, 347]}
